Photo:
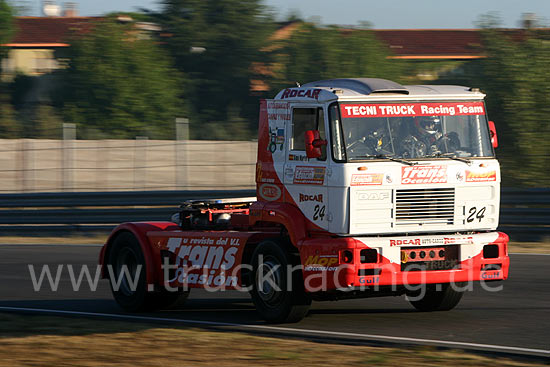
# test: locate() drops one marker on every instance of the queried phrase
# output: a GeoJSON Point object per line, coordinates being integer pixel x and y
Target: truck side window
{"type": "Point", "coordinates": [304, 119]}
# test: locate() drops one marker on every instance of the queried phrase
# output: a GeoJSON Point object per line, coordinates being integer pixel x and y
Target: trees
{"type": "Point", "coordinates": [215, 43]}
{"type": "Point", "coordinates": [8, 124]}
{"type": "Point", "coordinates": [6, 26]}
{"type": "Point", "coordinates": [515, 77]}
{"type": "Point", "coordinates": [120, 83]}
{"type": "Point", "coordinates": [314, 53]}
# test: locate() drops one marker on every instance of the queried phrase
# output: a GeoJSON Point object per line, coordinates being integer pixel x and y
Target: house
{"type": "Point", "coordinates": [38, 45]}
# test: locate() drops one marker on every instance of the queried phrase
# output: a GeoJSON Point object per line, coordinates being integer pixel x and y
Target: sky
{"type": "Point", "coordinates": [382, 14]}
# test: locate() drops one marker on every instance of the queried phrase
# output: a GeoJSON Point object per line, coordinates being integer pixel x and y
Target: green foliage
{"type": "Point", "coordinates": [47, 124]}
{"type": "Point", "coordinates": [516, 79]}
{"type": "Point", "coordinates": [216, 43]}
{"type": "Point", "coordinates": [9, 128]}
{"type": "Point", "coordinates": [314, 53]}
{"type": "Point", "coordinates": [6, 27]}
{"type": "Point", "coordinates": [120, 84]}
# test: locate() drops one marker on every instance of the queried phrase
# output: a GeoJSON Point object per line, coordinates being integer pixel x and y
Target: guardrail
{"type": "Point", "coordinates": [524, 215]}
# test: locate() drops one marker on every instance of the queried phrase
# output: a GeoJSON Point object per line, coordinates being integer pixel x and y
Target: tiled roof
{"type": "Point", "coordinates": [404, 43]}
{"type": "Point", "coordinates": [35, 31]}
{"type": "Point", "coordinates": [412, 43]}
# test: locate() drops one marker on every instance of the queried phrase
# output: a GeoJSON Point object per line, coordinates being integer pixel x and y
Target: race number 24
{"type": "Point", "coordinates": [318, 212]}
{"type": "Point", "coordinates": [475, 213]}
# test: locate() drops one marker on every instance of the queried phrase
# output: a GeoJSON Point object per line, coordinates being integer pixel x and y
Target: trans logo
{"type": "Point", "coordinates": [204, 260]}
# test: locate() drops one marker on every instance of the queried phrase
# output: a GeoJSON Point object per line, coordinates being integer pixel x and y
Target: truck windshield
{"type": "Point", "coordinates": [410, 130]}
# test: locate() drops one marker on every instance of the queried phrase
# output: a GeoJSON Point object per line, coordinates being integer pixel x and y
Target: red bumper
{"type": "Point", "coordinates": [343, 263]}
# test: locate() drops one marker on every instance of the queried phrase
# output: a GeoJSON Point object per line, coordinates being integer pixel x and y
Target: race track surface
{"type": "Point", "coordinates": [518, 316]}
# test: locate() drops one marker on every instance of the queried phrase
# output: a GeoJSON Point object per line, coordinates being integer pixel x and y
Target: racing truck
{"type": "Point", "coordinates": [364, 188]}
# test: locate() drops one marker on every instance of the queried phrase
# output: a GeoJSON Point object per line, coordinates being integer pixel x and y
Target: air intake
{"type": "Point", "coordinates": [424, 206]}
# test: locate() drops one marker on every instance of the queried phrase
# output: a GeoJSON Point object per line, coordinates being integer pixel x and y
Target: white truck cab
{"type": "Point", "coordinates": [387, 159]}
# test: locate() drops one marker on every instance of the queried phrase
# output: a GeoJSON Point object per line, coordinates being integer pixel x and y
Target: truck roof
{"type": "Point", "coordinates": [370, 89]}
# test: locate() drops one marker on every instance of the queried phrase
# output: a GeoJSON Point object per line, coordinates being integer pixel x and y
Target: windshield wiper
{"type": "Point", "coordinates": [384, 156]}
{"type": "Point", "coordinates": [452, 156]}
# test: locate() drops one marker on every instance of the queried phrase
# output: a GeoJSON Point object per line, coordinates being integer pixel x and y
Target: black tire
{"type": "Point", "coordinates": [437, 297]}
{"type": "Point", "coordinates": [132, 293]}
{"type": "Point", "coordinates": [285, 304]}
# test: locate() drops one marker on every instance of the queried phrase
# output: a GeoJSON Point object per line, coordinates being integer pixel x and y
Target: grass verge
{"type": "Point", "coordinates": [29, 340]}
{"type": "Point", "coordinates": [513, 247]}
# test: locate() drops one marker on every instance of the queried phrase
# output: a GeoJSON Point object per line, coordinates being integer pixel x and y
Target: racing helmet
{"type": "Point", "coordinates": [428, 125]}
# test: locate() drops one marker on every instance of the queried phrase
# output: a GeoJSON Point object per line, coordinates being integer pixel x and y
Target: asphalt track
{"type": "Point", "coordinates": [513, 320]}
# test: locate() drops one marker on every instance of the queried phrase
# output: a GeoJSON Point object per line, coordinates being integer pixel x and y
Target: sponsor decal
{"type": "Point", "coordinates": [369, 280]}
{"type": "Point", "coordinates": [296, 157]}
{"type": "Point", "coordinates": [213, 254]}
{"type": "Point", "coordinates": [463, 240]}
{"type": "Point", "coordinates": [487, 275]}
{"type": "Point", "coordinates": [481, 176]}
{"type": "Point", "coordinates": [367, 179]}
{"type": "Point", "coordinates": [423, 174]}
{"type": "Point", "coordinates": [278, 111]}
{"type": "Point", "coordinates": [412, 241]}
{"type": "Point", "coordinates": [301, 93]}
{"type": "Point", "coordinates": [270, 192]}
{"type": "Point", "coordinates": [309, 175]}
{"type": "Point", "coordinates": [321, 263]}
{"type": "Point", "coordinates": [412, 109]}
{"type": "Point", "coordinates": [276, 139]}
{"type": "Point", "coordinates": [305, 197]}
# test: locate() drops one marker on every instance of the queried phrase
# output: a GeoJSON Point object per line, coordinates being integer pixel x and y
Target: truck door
{"type": "Point", "coordinates": [306, 179]}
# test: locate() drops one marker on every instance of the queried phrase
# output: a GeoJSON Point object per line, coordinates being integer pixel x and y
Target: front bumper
{"type": "Point", "coordinates": [380, 261]}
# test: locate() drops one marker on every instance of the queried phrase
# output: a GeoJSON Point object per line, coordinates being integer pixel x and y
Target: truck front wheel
{"type": "Point", "coordinates": [436, 297]}
{"type": "Point", "coordinates": [277, 288]}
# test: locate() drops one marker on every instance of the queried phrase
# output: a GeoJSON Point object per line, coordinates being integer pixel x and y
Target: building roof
{"type": "Point", "coordinates": [48, 32]}
{"type": "Point", "coordinates": [428, 44]}
{"type": "Point", "coordinates": [432, 43]}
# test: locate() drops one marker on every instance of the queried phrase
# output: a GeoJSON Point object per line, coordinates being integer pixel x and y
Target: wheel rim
{"type": "Point", "coordinates": [269, 285]}
{"type": "Point", "coordinates": [127, 258]}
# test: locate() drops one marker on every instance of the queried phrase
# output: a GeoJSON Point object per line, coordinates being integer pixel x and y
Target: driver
{"type": "Point", "coordinates": [428, 129]}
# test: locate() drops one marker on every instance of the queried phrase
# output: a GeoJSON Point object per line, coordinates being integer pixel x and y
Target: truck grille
{"type": "Point", "coordinates": [424, 206]}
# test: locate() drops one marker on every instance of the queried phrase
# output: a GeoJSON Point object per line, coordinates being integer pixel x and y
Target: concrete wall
{"type": "Point", "coordinates": [29, 165]}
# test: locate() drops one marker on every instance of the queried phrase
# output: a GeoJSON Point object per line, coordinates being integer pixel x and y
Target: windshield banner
{"type": "Point", "coordinates": [412, 109]}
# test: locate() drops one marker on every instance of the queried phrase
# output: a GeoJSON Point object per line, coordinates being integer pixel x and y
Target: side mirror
{"type": "Point", "coordinates": [493, 132]}
{"type": "Point", "coordinates": [314, 144]}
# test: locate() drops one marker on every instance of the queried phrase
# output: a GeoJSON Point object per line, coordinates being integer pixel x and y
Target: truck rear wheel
{"type": "Point", "coordinates": [437, 297]}
{"type": "Point", "coordinates": [277, 292]}
{"type": "Point", "coordinates": [128, 279]}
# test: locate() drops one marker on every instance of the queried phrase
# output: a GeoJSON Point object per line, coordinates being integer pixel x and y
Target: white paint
{"type": "Point", "coordinates": [284, 329]}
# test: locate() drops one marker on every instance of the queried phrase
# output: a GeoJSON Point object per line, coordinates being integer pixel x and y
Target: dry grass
{"type": "Point", "coordinates": [57, 341]}
{"type": "Point", "coordinates": [73, 240]}
{"type": "Point", "coordinates": [529, 247]}
{"type": "Point", "coordinates": [514, 247]}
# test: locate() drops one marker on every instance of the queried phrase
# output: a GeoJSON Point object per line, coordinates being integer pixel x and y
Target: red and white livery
{"type": "Point", "coordinates": [364, 188]}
